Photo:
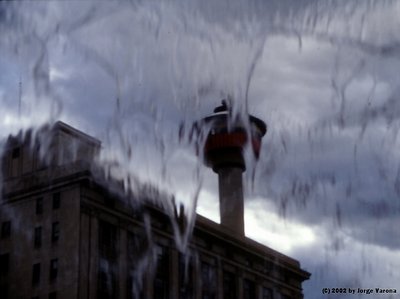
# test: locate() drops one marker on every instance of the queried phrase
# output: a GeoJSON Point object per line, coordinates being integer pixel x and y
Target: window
{"type": "Point", "coordinates": [56, 200]}
{"type": "Point", "coordinates": [135, 285]}
{"type": "Point", "coordinates": [5, 229]}
{"type": "Point", "coordinates": [137, 248]}
{"type": "Point", "coordinates": [161, 280]}
{"type": "Point", "coordinates": [4, 264]}
{"type": "Point", "coordinates": [107, 240]}
{"type": "Point", "coordinates": [109, 201]}
{"type": "Point", "coordinates": [39, 161]}
{"type": "Point", "coordinates": [186, 284]}
{"type": "Point", "coordinates": [55, 232]}
{"type": "Point", "coordinates": [39, 206]}
{"type": "Point", "coordinates": [106, 287]}
{"type": "Point", "coordinates": [53, 295]}
{"type": "Point", "coordinates": [249, 290]}
{"type": "Point", "coordinates": [15, 153]}
{"type": "Point", "coordinates": [53, 269]}
{"type": "Point", "coordinates": [37, 240]}
{"type": "Point", "coordinates": [15, 162]}
{"type": "Point", "coordinates": [36, 274]}
{"type": "Point", "coordinates": [229, 285]}
{"type": "Point", "coordinates": [266, 293]}
{"type": "Point", "coordinates": [209, 281]}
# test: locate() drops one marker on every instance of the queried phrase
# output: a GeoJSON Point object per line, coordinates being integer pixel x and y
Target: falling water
{"type": "Point", "coordinates": [322, 74]}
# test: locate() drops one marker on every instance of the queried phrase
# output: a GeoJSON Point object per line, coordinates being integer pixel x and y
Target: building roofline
{"type": "Point", "coordinates": [26, 136]}
{"type": "Point", "coordinates": [59, 125]}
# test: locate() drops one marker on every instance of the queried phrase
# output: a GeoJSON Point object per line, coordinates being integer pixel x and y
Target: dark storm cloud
{"type": "Point", "coordinates": [338, 176]}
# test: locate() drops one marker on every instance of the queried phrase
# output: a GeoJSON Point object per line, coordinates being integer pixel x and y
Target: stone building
{"type": "Point", "coordinates": [68, 233]}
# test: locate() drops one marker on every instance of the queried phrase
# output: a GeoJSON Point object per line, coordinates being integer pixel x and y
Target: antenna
{"type": "Point", "coordinates": [20, 97]}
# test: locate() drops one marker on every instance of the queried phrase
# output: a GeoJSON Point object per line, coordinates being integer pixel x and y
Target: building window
{"type": "Point", "coordinates": [37, 240]}
{"type": "Point", "coordinates": [266, 293]}
{"type": "Point", "coordinates": [186, 285]}
{"type": "Point", "coordinates": [106, 288]}
{"type": "Point", "coordinates": [229, 285]}
{"type": "Point", "coordinates": [53, 295]}
{"type": "Point", "coordinates": [39, 206]}
{"type": "Point", "coordinates": [249, 289]}
{"type": "Point", "coordinates": [56, 200]}
{"type": "Point", "coordinates": [135, 285]}
{"type": "Point", "coordinates": [5, 229]}
{"type": "Point", "coordinates": [15, 162]}
{"type": "Point", "coordinates": [108, 241]}
{"type": "Point", "coordinates": [4, 264]}
{"type": "Point", "coordinates": [209, 281]}
{"type": "Point", "coordinates": [109, 201]}
{"type": "Point", "coordinates": [161, 279]}
{"type": "Point", "coordinates": [15, 153]}
{"type": "Point", "coordinates": [36, 274]}
{"type": "Point", "coordinates": [55, 232]}
{"type": "Point", "coordinates": [53, 269]}
{"type": "Point", "coordinates": [137, 248]}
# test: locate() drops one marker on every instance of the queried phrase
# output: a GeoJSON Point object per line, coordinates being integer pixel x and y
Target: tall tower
{"type": "Point", "coordinates": [223, 152]}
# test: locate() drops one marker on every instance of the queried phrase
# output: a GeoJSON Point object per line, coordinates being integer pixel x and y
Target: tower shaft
{"type": "Point", "coordinates": [231, 198]}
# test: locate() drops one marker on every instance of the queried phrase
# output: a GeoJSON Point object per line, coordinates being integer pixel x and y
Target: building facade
{"type": "Point", "coordinates": [67, 233]}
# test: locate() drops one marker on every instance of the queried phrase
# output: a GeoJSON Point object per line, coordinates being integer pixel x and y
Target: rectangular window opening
{"type": "Point", "coordinates": [53, 269]}
{"type": "Point", "coordinates": [106, 284]}
{"type": "Point", "coordinates": [108, 241]}
{"type": "Point", "coordinates": [36, 274]}
{"type": "Point", "coordinates": [5, 229]}
{"type": "Point", "coordinates": [249, 289]}
{"type": "Point", "coordinates": [186, 284]}
{"type": "Point", "coordinates": [209, 281]}
{"type": "Point", "coordinates": [161, 280]}
{"type": "Point", "coordinates": [16, 153]}
{"type": "Point", "coordinates": [39, 206]}
{"type": "Point", "coordinates": [4, 264]}
{"type": "Point", "coordinates": [266, 293]}
{"type": "Point", "coordinates": [229, 285]}
{"type": "Point", "coordinates": [38, 237]}
{"type": "Point", "coordinates": [55, 232]}
{"type": "Point", "coordinates": [56, 200]}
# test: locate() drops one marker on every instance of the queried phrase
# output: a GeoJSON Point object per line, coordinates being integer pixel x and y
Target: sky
{"type": "Point", "coordinates": [323, 75]}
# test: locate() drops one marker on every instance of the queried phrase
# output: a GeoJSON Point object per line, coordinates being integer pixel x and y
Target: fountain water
{"type": "Point", "coordinates": [323, 73]}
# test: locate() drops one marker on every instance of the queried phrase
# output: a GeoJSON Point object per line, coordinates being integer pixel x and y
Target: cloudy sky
{"type": "Point", "coordinates": [322, 74]}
